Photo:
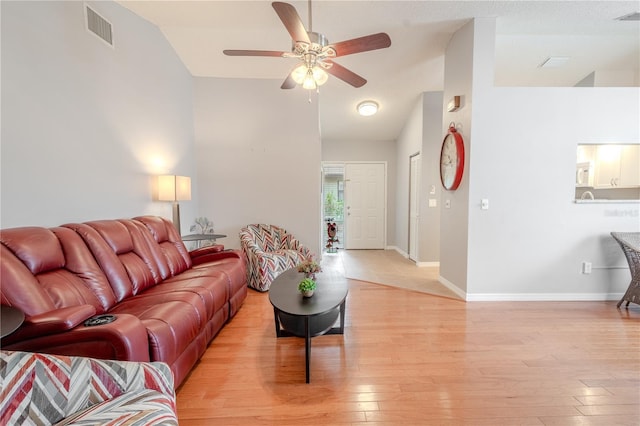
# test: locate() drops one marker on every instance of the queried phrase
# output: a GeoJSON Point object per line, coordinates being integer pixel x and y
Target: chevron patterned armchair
{"type": "Point", "coordinates": [43, 389]}
{"type": "Point", "coordinates": [270, 250]}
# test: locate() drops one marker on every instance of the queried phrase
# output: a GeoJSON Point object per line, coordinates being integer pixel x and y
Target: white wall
{"type": "Point", "coordinates": [521, 152]}
{"type": "Point", "coordinates": [409, 143]}
{"type": "Point", "coordinates": [421, 133]}
{"type": "Point", "coordinates": [458, 78]}
{"type": "Point", "coordinates": [539, 237]}
{"type": "Point", "coordinates": [432, 135]}
{"type": "Point", "coordinates": [358, 150]}
{"type": "Point", "coordinates": [258, 150]}
{"type": "Point", "coordinates": [84, 125]}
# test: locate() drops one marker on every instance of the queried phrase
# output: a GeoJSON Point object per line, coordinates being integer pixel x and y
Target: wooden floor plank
{"type": "Point", "coordinates": [408, 358]}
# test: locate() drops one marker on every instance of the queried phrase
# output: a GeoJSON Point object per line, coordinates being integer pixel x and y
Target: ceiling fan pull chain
{"type": "Point", "coordinates": [310, 20]}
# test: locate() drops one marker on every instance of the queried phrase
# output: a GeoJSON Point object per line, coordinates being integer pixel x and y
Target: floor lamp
{"type": "Point", "coordinates": [174, 188]}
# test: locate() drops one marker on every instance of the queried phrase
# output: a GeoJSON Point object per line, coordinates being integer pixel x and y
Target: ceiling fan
{"type": "Point", "coordinates": [315, 52]}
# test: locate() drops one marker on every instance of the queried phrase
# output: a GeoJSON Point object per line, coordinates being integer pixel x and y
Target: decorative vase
{"type": "Point", "coordinates": [307, 293]}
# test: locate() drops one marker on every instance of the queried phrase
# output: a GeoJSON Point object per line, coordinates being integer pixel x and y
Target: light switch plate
{"type": "Point", "coordinates": [484, 204]}
{"type": "Point", "coordinates": [447, 204]}
{"type": "Point", "coordinates": [433, 202]}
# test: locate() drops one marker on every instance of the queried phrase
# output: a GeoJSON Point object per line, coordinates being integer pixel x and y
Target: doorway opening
{"type": "Point", "coordinates": [333, 206]}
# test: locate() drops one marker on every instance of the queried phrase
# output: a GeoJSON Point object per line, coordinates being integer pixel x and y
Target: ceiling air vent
{"type": "Point", "coordinates": [554, 62]}
{"type": "Point", "coordinates": [635, 16]}
{"type": "Point", "coordinates": [99, 26]}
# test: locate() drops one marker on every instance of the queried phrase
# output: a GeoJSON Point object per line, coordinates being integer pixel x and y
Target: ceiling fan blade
{"type": "Point", "coordinates": [288, 83]}
{"type": "Point", "coordinates": [362, 44]}
{"type": "Point", "coordinates": [345, 75]}
{"type": "Point", "coordinates": [291, 21]}
{"type": "Point", "coordinates": [253, 53]}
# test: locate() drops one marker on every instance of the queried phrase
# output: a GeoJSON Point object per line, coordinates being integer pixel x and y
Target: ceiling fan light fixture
{"type": "Point", "coordinates": [309, 83]}
{"type": "Point", "coordinates": [367, 108]}
{"type": "Point", "coordinates": [315, 52]}
{"type": "Point", "coordinates": [299, 73]}
{"type": "Point", "coordinates": [320, 75]}
{"type": "Point", "coordinates": [309, 77]}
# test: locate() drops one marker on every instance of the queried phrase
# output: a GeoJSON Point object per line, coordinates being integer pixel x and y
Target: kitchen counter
{"type": "Point", "coordinates": [602, 201]}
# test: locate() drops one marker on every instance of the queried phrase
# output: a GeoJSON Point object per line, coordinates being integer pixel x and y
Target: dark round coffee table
{"type": "Point", "coordinates": [12, 318]}
{"type": "Point", "coordinates": [308, 317]}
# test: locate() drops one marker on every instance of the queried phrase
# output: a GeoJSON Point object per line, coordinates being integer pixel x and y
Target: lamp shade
{"type": "Point", "coordinates": [174, 188]}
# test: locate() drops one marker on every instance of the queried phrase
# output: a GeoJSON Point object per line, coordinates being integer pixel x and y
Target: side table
{"type": "Point", "coordinates": [201, 237]}
{"type": "Point", "coordinates": [11, 318]}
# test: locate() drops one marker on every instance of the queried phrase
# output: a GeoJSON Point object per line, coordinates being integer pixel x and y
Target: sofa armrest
{"type": "Point", "coordinates": [213, 256]}
{"type": "Point", "coordinates": [53, 322]}
{"type": "Point", "coordinates": [288, 242]}
{"type": "Point", "coordinates": [216, 248]}
{"type": "Point", "coordinates": [124, 339]}
{"type": "Point", "coordinates": [81, 383]}
{"type": "Point", "coordinates": [248, 242]}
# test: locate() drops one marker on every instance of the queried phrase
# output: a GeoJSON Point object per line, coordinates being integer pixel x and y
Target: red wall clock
{"type": "Point", "coordinates": [452, 159]}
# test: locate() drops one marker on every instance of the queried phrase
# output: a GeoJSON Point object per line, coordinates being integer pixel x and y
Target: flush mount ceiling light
{"type": "Point", "coordinates": [554, 62]}
{"type": "Point", "coordinates": [367, 108]}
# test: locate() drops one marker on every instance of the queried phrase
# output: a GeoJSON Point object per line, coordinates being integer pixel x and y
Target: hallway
{"type": "Point", "coordinates": [389, 267]}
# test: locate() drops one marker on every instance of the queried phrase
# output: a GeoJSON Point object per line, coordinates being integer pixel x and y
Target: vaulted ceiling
{"type": "Point", "coordinates": [527, 33]}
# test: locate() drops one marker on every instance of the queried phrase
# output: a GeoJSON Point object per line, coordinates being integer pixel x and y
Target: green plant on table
{"type": "Point", "coordinates": [307, 284]}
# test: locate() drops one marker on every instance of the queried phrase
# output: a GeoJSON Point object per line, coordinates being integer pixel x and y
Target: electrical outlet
{"type": "Point", "coordinates": [586, 267]}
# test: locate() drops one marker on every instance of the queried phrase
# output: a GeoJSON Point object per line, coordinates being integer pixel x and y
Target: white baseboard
{"type": "Point", "coordinates": [529, 297]}
{"type": "Point", "coordinates": [406, 256]}
{"type": "Point", "coordinates": [542, 297]}
{"type": "Point", "coordinates": [427, 264]}
{"type": "Point", "coordinates": [402, 252]}
{"type": "Point", "coordinates": [448, 284]}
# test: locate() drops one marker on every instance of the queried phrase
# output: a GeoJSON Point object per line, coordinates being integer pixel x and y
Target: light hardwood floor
{"type": "Point", "coordinates": [389, 267]}
{"type": "Point", "coordinates": [410, 358]}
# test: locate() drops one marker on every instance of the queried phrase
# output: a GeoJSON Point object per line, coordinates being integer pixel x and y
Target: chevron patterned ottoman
{"type": "Point", "coordinates": [42, 389]}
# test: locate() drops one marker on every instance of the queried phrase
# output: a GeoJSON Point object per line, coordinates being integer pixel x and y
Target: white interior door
{"type": "Point", "coordinates": [365, 200]}
{"type": "Point", "coordinates": [414, 206]}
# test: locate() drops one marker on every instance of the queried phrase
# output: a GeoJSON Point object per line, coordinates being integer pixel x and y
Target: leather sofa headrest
{"type": "Point", "coordinates": [38, 248]}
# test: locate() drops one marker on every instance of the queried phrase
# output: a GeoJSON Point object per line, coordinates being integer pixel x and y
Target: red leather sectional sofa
{"type": "Point", "coordinates": [168, 303]}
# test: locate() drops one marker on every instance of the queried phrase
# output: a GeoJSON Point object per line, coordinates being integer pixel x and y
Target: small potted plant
{"type": "Point", "coordinates": [306, 287]}
{"type": "Point", "coordinates": [202, 226]}
{"type": "Point", "coordinates": [309, 268]}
